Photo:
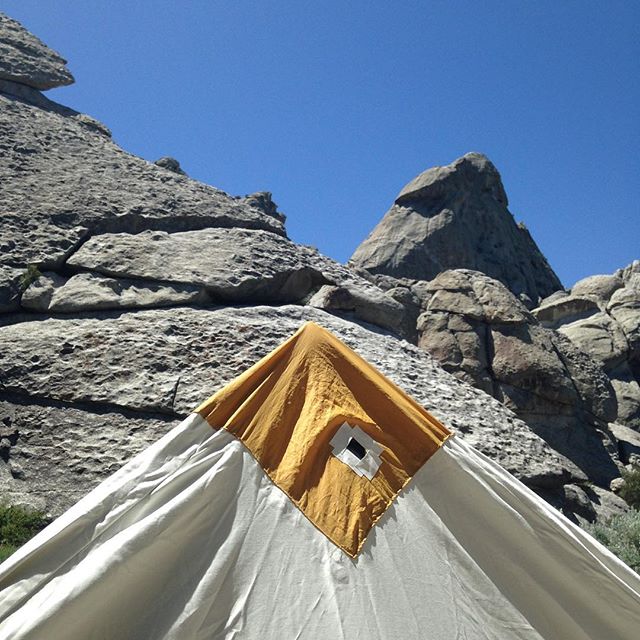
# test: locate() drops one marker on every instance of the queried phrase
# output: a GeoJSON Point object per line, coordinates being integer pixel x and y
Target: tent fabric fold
{"type": "Point", "coordinates": [194, 539]}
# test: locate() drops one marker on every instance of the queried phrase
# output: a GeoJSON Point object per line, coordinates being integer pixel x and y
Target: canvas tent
{"type": "Point", "coordinates": [312, 498]}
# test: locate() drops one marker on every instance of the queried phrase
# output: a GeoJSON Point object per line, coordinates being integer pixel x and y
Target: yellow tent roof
{"type": "Point", "coordinates": [287, 410]}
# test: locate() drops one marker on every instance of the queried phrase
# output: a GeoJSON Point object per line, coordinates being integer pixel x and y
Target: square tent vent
{"type": "Point", "coordinates": [359, 451]}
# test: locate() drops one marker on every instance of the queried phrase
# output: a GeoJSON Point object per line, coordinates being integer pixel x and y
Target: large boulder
{"type": "Point", "coordinates": [599, 335]}
{"type": "Point", "coordinates": [482, 334]}
{"type": "Point", "coordinates": [105, 385]}
{"type": "Point", "coordinates": [207, 266]}
{"type": "Point", "coordinates": [84, 292]}
{"type": "Point", "coordinates": [26, 60]}
{"type": "Point", "coordinates": [369, 305]}
{"type": "Point", "coordinates": [457, 217]}
{"type": "Point", "coordinates": [601, 316]}
{"type": "Point", "coordinates": [231, 264]}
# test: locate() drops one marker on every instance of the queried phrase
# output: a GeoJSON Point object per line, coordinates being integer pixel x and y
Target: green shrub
{"type": "Point", "coordinates": [31, 274]}
{"type": "Point", "coordinates": [621, 534]}
{"type": "Point", "coordinates": [630, 490]}
{"type": "Point", "coordinates": [17, 525]}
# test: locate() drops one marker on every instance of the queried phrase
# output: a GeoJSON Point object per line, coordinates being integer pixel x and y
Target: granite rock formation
{"type": "Point", "coordinates": [601, 316]}
{"type": "Point", "coordinates": [476, 328]}
{"type": "Point", "coordinates": [129, 292]}
{"type": "Point", "coordinates": [456, 217]}
{"type": "Point", "coordinates": [27, 60]}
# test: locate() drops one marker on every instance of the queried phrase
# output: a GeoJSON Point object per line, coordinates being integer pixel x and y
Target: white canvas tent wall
{"type": "Point", "coordinates": [210, 534]}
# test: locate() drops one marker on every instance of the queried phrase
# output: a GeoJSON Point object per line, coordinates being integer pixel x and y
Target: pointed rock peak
{"type": "Point", "coordinates": [27, 60]}
{"type": "Point", "coordinates": [472, 171]}
{"type": "Point", "coordinates": [456, 217]}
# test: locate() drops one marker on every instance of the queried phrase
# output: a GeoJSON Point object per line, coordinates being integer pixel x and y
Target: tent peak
{"type": "Point", "coordinates": [315, 332]}
{"type": "Point", "coordinates": [298, 409]}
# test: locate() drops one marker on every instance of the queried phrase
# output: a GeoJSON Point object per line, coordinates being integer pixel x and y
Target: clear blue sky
{"type": "Point", "coordinates": [334, 106]}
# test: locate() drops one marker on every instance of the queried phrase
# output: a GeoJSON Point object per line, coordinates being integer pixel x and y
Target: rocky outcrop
{"type": "Point", "coordinates": [483, 335]}
{"type": "Point", "coordinates": [26, 60]}
{"type": "Point", "coordinates": [457, 217]}
{"type": "Point", "coordinates": [171, 164]}
{"type": "Point", "coordinates": [263, 201]}
{"type": "Point", "coordinates": [205, 267]}
{"type": "Point", "coordinates": [230, 264]}
{"type": "Point", "coordinates": [129, 293]}
{"type": "Point", "coordinates": [601, 316]}
{"type": "Point", "coordinates": [367, 304]}
{"type": "Point", "coordinates": [64, 181]}
{"type": "Point", "coordinates": [55, 294]}
{"type": "Point", "coordinates": [478, 325]}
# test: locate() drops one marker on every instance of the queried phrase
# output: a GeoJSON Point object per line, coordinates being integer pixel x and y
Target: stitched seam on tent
{"type": "Point", "coordinates": [374, 521]}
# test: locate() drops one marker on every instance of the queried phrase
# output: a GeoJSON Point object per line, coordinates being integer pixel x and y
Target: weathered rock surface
{"type": "Point", "coordinates": [627, 388]}
{"type": "Point", "coordinates": [457, 217]}
{"type": "Point", "coordinates": [171, 164]}
{"type": "Point", "coordinates": [369, 305]}
{"type": "Point", "coordinates": [27, 60]}
{"type": "Point", "coordinates": [156, 268]}
{"type": "Point", "coordinates": [9, 288]}
{"type": "Point", "coordinates": [38, 295]}
{"type": "Point", "coordinates": [596, 287]}
{"type": "Point", "coordinates": [82, 377]}
{"type": "Point", "coordinates": [90, 292]}
{"type": "Point", "coordinates": [628, 442]}
{"type": "Point", "coordinates": [557, 308]}
{"type": "Point", "coordinates": [601, 316]}
{"type": "Point", "coordinates": [601, 336]}
{"type": "Point", "coordinates": [606, 504]}
{"type": "Point", "coordinates": [482, 334]}
{"type": "Point", "coordinates": [51, 454]}
{"type": "Point", "coordinates": [63, 181]}
{"type": "Point", "coordinates": [232, 264]}
{"type": "Point", "coordinates": [263, 201]}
